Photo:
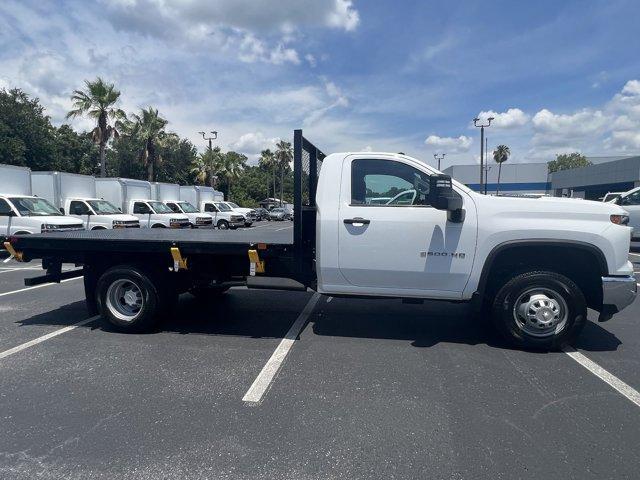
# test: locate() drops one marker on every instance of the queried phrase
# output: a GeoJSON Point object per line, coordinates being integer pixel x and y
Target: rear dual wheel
{"type": "Point", "coordinates": [130, 299]}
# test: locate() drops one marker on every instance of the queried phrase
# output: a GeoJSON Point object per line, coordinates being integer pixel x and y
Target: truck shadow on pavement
{"type": "Point", "coordinates": [267, 315]}
{"type": "Point", "coordinates": [428, 325]}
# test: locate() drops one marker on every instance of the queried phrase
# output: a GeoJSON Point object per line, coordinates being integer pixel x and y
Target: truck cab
{"type": "Point", "coordinates": [197, 219]}
{"type": "Point", "coordinates": [21, 215]}
{"type": "Point", "coordinates": [155, 214]}
{"type": "Point", "coordinates": [224, 216]}
{"type": "Point", "coordinates": [99, 214]}
{"type": "Point", "coordinates": [249, 214]}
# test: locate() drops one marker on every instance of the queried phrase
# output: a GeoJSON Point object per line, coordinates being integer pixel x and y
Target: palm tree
{"type": "Point", "coordinates": [147, 127]}
{"type": "Point", "coordinates": [269, 163]}
{"type": "Point", "coordinates": [98, 102]}
{"type": "Point", "coordinates": [205, 166]}
{"type": "Point", "coordinates": [500, 155]}
{"type": "Point", "coordinates": [230, 167]}
{"type": "Point", "coordinates": [284, 156]}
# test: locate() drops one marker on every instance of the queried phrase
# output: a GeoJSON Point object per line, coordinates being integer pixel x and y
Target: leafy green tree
{"type": "Point", "coordinates": [204, 167]}
{"type": "Point", "coordinates": [500, 155]}
{"type": "Point", "coordinates": [230, 168]}
{"type": "Point", "coordinates": [147, 128]}
{"type": "Point", "coordinates": [568, 161]}
{"type": "Point", "coordinates": [284, 156]}
{"type": "Point", "coordinates": [98, 102]}
{"type": "Point", "coordinates": [27, 137]}
{"type": "Point", "coordinates": [269, 164]}
{"type": "Point", "coordinates": [178, 154]}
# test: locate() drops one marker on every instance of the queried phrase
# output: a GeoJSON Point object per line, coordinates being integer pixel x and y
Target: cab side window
{"type": "Point", "coordinates": [141, 208]}
{"type": "Point", "coordinates": [78, 208]}
{"type": "Point", "coordinates": [633, 199]}
{"type": "Point", "coordinates": [210, 207]}
{"type": "Point", "coordinates": [387, 183]}
{"type": "Point", "coordinates": [173, 207]}
{"type": "Point", "coordinates": [5, 209]}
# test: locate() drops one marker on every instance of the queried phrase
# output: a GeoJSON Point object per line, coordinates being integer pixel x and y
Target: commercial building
{"type": "Point", "coordinates": [515, 178]}
{"type": "Point", "coordinates": [594, 181]}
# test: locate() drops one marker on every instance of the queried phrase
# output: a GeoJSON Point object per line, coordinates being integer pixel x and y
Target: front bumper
{"type": "Point", "coordinates": [617, 294]}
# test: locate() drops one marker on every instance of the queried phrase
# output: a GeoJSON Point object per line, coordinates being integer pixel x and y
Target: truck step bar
{"type": "Point", "coordinates": [53, 277]}
{"type": "Point", "coordinates": [275, 283]}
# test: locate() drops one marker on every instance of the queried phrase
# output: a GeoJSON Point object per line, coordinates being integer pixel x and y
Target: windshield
{"type": "Point", "coordinates": [102, 207]}
{"type": "Point", "coordinates": [160, 207]}
{"type": "Point", "coordinates": [34, 207]}
{"type": "Point", "coordinates": [233, 205]}
{"type": "Point", "coordinates": [223, 207]}
{"type": "Point", "coordinates": [187, 207]}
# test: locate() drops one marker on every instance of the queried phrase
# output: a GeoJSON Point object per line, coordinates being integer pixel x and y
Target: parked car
{"type": "Point", "coordinates": [630, 201]}
{"type": "Point", "coordinates": [262, 213]}
{"type": "Point", "coordinates": [278, 214]}
{"type": "Point", "coordinates": [611, 196]}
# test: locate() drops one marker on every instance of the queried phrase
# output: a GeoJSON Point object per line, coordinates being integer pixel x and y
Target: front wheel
{"type": "Point", "coordinates": [540, 310]}
{"type": "Point", "coordinates": [128, 299]}
{"type": "Point", "coordinates": [223, 225]}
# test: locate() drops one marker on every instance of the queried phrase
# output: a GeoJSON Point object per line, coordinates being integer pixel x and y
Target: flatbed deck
{"type": "Point", "coordinates": [156, 240]}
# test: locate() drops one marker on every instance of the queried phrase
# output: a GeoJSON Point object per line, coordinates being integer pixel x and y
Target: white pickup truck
{"type": "Point", "coordinates": [21, 212]}
{"type": "Point", "coordinates": [531, 266]}
{"type": "Point", "coordinates": [135, 197]}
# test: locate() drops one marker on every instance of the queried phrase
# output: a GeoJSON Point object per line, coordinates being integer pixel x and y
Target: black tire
{"type": "Point", "coordinates": [539, 310]}
{"type": "Point", "coordinates": [206, 292]}
{"type": "Point", "coordinates": [158, 225]}
{"type": "Point", "coordinates": [223, 225]}
{"type": "Point", "coordinates": [151, 300]}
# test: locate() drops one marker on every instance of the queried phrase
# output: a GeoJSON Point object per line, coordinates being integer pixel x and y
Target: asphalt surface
{"type": "Point", "coordinates": [371, 389]}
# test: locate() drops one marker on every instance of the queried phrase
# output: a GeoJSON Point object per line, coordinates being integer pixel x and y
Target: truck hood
{"type": "Point", "coordinates": [553, 207]}
{"type": "Point", "coordinates": [122, 217]}
{"type": "Point", "coordinates": [56, 220]}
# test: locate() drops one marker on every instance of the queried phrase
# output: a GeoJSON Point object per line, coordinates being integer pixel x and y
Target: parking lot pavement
{"type": "Point", "coordinates": [372, 389]}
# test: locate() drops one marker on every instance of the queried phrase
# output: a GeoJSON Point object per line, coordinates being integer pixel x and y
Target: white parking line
{"type": "Point", "coordinates": [635, 254]}
{"type": "Point", "coordinates": [263, 380]}
{"type": "Point", "coordinates": [284, 228]}
{"type": "Point", "coordinates": [46, 337]}
{"type": "Point", "coordinates": [630, 393]}
{"type": "Point", "coordinates": [37, 286]}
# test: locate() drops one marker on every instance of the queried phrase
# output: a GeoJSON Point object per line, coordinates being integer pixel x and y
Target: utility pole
{"type": "Point", "coordinates": [482, 127]}
{"type": "Point", "coordinates": [486, 163]}
{"type": "Point", "coordinates": [438, 158]}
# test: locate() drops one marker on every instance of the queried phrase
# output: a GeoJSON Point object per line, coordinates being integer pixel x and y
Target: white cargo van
{"type": "Point", "coordinates": [204, 199]}
{"type": "Point", "coordinates": [169, 194]}
{"type": "Point", "coordinates": [21, 212]}
{"type": "Point", "coordinates": [75, 195]}
{"type": "Point", "coordinates": [134, 197]}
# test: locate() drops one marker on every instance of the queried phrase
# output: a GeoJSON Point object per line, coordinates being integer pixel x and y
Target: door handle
{"type": "Point", "coordinates": [357, 222]}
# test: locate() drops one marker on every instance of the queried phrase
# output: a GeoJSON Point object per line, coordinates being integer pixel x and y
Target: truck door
{"type": "Point", "coordinates": [81, 210]}
{"type": "Point", "coordinates": [6, 216]}
{"type": "Point", "coordinates": [394, 242]}
{"type": "Point", "coordinates": [211, 209]}
{"type": "Point", "coordinates": [143, 212]}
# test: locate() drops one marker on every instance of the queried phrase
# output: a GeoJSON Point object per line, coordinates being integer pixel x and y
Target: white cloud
{"type": "Point", "coordinates": [343, 15]}
{"type": "Point", "coordinates": [449, 144]}
{"type": "Point", "coordinates": [512, 118]}
{"type": "Point", "coordinates": [253, 143]}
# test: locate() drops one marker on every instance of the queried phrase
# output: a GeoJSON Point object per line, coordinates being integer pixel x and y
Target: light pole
{"type": "Point", "coordinates": [482, 127]}
{"type": "Point", "coordinates": [438, 158]}
{"type": "Point", "coordinates": [215, 135]}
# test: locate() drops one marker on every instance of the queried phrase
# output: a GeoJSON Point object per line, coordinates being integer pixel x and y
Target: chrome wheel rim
{"type": "Point", "coordinates": [222, 226]}
{"type": "Point", "coordinates": [125, 300]}
{"type": "Point", "coordinates": [540, 312]}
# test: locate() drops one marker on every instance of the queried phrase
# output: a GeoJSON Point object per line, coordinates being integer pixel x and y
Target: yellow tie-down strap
{"type": "Point", "coordinates": [255, 264]}
{"type": "Point", "coordinates": [12, 251]}
{"type": "Point", "coordinates": [179, 263]}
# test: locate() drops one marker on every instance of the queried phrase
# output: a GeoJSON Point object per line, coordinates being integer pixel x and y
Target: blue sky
{"type": "Point", "coordinates": [401, 76]}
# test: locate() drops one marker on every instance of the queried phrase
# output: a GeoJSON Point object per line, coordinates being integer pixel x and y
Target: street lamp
{"type": "Point", "coordinates": [213, 137]}
{"type": "Point", "coordinates": [482, 127]}
{"type": "Point", "coordinates": [438, 158]}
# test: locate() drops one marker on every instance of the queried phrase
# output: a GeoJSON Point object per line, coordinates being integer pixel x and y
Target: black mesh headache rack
{"type": "Point", "coordinates": [287, 255]}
